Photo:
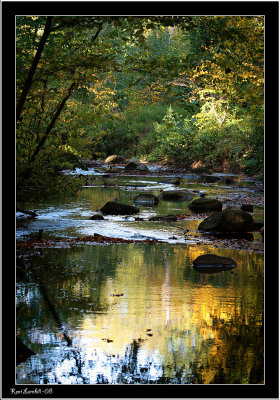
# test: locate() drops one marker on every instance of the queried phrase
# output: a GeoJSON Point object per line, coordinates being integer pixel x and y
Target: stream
{"type": "Point", "coordinates": [138, 312]}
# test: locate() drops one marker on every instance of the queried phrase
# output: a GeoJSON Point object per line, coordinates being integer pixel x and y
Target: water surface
{"type": "Point", "coordinates": [140, 313]}
{"type": "Point", "coordinates": [69, 216]}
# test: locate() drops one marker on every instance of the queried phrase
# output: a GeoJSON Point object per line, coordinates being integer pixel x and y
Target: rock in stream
{"type": "Point", "coordinates": [209, 263]}
{"type": "Point", "coordinates": [231, 219]}
{"type": "Point", "coordinates": [116, 208]}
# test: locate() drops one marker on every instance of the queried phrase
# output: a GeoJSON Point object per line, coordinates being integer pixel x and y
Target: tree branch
{"type": "Point", "coordinates": [51, 124]}
{"type": "Point", "coordinates": [97, 32]}
{"type": "Point", "coordinates": [29, 79]}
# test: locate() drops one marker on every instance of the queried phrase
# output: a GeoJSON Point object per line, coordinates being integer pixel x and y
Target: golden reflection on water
{"type": "Point", "coordinates": [151, 308]}
{"type": "Point", "coordinates": [206, 327]}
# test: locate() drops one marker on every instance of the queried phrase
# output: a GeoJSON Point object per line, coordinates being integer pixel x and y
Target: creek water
{"type": "Point", "coordinates": [138, 313]}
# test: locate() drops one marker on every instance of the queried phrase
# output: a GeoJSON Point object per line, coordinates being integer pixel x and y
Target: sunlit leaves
{"type": "Point", "coordinates": [212, 66]}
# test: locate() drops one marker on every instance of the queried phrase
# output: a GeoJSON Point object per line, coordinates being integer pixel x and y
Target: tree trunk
{"type": "Point", "coordinates": [51, 125]}
{"type": "Point", "coordinates": [29, 79]}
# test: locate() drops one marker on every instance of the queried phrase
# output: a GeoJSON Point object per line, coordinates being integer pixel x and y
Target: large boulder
{"type": "Point", "coordinates": [175, 195]}
{"type": "Point", "coordinates": [209, 263]}
{"type": "Point", "coordinates": [132, 164]}
{"type": "Point", "coordinates": [210, 223]}
{"type": "Point", "coordinates": [231, 219]}
{"type": "Point", "coordinates": [116, 208]}
{"type": "Point", "coordinates": [146, 198]}
{"type": "Point", "coordinates": [114, 159]}
{"type": "Point", "coordinates": [205, 204]}
{"type": "Point", "coordinates": [235, 219]}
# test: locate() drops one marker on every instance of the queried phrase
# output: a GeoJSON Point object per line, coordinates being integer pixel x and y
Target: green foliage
{"type": "Point", "coordinates": [175, 135]}
{"type": "Point", "coordinates": [46, 176]}
{"type": "Point", "coordinates": [133, 132]}
{"type": "Point", "coordinates": [181, 89]}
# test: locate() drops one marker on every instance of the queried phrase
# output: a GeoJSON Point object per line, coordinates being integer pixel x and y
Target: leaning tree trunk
{"type": "Point", "coordinates": [51, 124]}
{"type": "Point", "coordinates": [29, 79]}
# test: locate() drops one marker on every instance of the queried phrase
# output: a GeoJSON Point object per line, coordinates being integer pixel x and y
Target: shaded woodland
{"type": "Point", "coordinates": [188, 91]}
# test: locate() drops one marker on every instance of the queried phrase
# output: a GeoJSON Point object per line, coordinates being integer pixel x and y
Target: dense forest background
{"type": "Point", "coordinates": [183, 90]}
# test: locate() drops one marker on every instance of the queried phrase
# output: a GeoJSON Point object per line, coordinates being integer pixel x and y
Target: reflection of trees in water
{"type": "Point", "coordinates": [238, 354]}
{"type": "Point", "coordinates": [129, 369]}
{"type": "Point", "coordinates": [63, 276]}
{"type": "Point", "coordinates": [132, 371]}
{"type": "Point", "coordinates": [229, 335]}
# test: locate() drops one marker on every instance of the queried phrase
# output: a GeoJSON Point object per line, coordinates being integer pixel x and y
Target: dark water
{"type": "Point", "coordinates": [137, 313]}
